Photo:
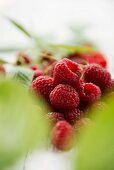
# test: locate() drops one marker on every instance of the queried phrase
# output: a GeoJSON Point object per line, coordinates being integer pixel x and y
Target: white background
{"type": "Point", "coordinates": [53, 17]}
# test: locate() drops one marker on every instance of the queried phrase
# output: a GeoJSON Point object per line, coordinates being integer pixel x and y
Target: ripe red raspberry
{"type": "Point", "coordinates": [94, 57]}
{"type": "Point", "coordinates": [97, 75]}
{"type": "Point", "coordinates": [64, 97]}
{"type": "Point", "coordinates": [97, 58]}
{"type": "Point", "coordinates": [89, 92]}
{"type": "Point", "coordinates": [38, 73]}
{"type": "Point", "coordinates": [78, 84]}
{"type": "Point", "coordinates": [78, 58]}
{"type": "Point", "coordinates": [62, 135]}
{"type": "Point", "coordinates": [43, 85]}
{"type": "Point", "coordinates": [72, 116]}
{"type": "Point", "coordinates": [66, 72]}
{"type": "Point", "coordinates": [54, 117]}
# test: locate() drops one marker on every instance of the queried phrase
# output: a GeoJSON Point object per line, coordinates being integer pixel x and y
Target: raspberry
{"type": "Point", "coordinates": [72, 116]}
{"type": "Point", "coordinates": [97, 58]}
{"type": "Point", "coordinates": [62, 135]}
{"type": "Point", "coordinates": [97, 75]}
{"type": "Point", "coordinates": [66, 72]}
{"type": "Point", "coordinates": [89, 92]}
{"type": "Point", "coordinates": [77, 58]}
{"type": "Point", "coordinates": [38, 73]}
{"type": "Point", "coordinates": [43, 85]}
{"type": "Point", "coordinates": [54, 117]}
{"type": "Point", "coordinates": [78, 84]}
{"type": "Point", "coordinates": [64, 97]}
{"type": "Point", "coordinates": [94, 57]}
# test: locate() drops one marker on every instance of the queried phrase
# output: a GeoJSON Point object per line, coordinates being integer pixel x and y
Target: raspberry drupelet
{"type": "Point", "coordinates": [89, 92]}
{"type": "Point", "coordinates": [42, 85]}
{"type": "Point", "coordinates": [74, 115]}
{"type": "Point", "coordinates": [66, 72]}
{"type": "Point", "coordinates": [64, 97]}
{"type": "Point", "coordinates": [54, 117]}
{"type": "Point", "coordinates": [97, 75]}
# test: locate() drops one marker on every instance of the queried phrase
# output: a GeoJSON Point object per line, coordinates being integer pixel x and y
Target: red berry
{"type": "Point", "coordinates": [66, 72]}
{"type": "Point", "coordinates": [97, 58]}
{"type": "Point", "coordinates": [38, 73]}
{"type": "Point", "coordinates": [72, 116]}
{"type": "Point", "coordinates": [97, 75]}
{"type": "Point", "coordinates": [89, 92]}
{"type": "Point", "coordinates": [43, 85]}
{"type": "Point", "coordinates": [78, 58]}
{"type": "Point", "coordinates": [54, 117]}
{"type": "Point", "coordinates": [78, 84]}
{"type": "Point", "coordinates": [94, 57]}
{"type": "Point", "coordinates": [62, 135]}
{"type": "Point", "coordinates": [64, 97]}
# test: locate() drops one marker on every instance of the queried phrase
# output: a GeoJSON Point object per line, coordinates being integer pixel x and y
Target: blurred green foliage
{"type": "Point", "coordinates": [73, 48]}
{"type": "Point", "coordinates": [96, 144]}
{"type": "Point", "coordinates": [22, 122]}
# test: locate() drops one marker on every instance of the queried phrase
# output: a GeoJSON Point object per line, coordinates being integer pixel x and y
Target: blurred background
{"type": "Point", "coordinates": [59, 21]}
{"type": "Point", "coordinates": [54, 19]}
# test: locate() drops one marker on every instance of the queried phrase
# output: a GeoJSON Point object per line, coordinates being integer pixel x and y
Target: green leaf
{"type": "Point", "coordinates": [22, 122]}
{"type": "Point", "coordinates": [96, 145]}
{"type": "Point", "coordinates": [21, 74]}
{"type": "Point", "coordinates": [72, 49]}
{"type": "Point", "coordinates": [20, 27]}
